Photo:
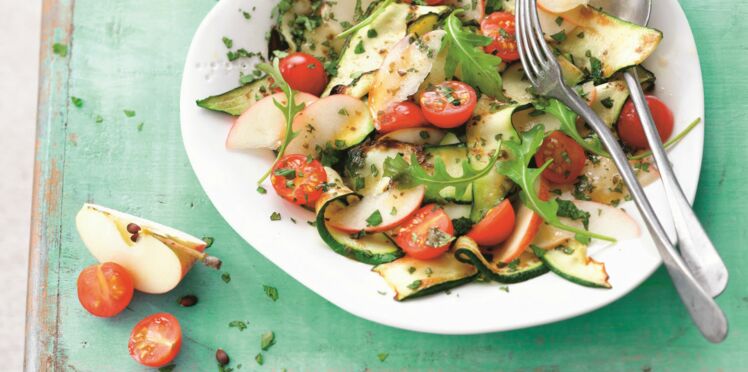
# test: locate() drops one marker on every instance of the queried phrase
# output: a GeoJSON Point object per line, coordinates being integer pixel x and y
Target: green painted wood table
{"type": "Point", "coordinates": [128, 55]}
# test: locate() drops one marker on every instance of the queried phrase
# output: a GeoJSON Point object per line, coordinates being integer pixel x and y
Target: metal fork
{"type": "Point", "coordinates": [544, 72]}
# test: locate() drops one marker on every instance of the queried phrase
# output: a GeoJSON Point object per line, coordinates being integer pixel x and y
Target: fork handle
{"type": "Point", "coordinates": [695, 246]}
{"type": "Point", "coordinates": [705, 313]}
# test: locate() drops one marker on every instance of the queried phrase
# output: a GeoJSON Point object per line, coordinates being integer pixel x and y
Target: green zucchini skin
{"type": "Point", "coordinates": [237, 100]}
{"type": "Point", "coordinates": [355, 253]}
{"type": "Point", "coordinates": [528, 266]}
{"type": "Point", "coordinates": [550, 259]}
{"type": "Point", "coordinates": [440, 287]}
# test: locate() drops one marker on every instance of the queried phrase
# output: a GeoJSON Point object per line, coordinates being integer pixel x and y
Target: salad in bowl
{"type": "Point", "coordinates": [411, 131]}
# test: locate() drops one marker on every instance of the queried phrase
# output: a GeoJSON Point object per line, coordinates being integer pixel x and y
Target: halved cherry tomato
{"type": "Point", "coordinates": [298, 179]}
{"type": "Point", "coordinates": [399, 116]}
{"type": "Point", "coordinates": [304, 73]}
{"type": "Point", "coordinates": [500, 27]}
{"type": "Point", "coordinates": [426, 234]}
{"type": "Point", "coordinates": [155, 341]}
{"type": "Point", "coordinates": [105, 289]}
{"type": "Point", "coordinates": [496, 226]}
{"type": "Point", "coordinates": [448, 104]}
{"type": "Point", "coordinates": [630, 127]}
{"type": "Point", "coordinates": [568, 158]}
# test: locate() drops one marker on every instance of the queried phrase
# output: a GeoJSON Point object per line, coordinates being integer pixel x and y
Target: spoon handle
{"type": "Point", "coordinates": [695, 246]}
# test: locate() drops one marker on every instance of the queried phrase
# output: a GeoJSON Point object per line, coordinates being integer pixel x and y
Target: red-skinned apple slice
{"type": "Point", "coordinates": [394, 206]}
{"type": "Point", "coordinates": [157, 256]}
{"type": "Point", "coordinates": [526, 227]}
{"type": "Point", "coordinates": [604, 220]}
{"type": "Point", "coordinates": [560, 6]}
{"type": "Point", "coordinates": [262, 126]}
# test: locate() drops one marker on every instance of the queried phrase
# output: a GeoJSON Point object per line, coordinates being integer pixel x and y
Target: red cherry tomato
{"type": "Point", "coordinates": [298, 179]}
{"type": "Point", "coordinates": [449, 104]}
{"type": "Point", "coordinates": [568, 158]}
{"type": "Point", "coordinates": [304, 73]}
{"type": "Point", "coordinates": [105, 289]}
{"type": "Point", "coordinates": [500, 27]}
{"type": "Point", "coordinates": [630, 127]}
{"type": "Point", "coordinates": [426, 234]}
{"type": "Point", "coordinates": [496, 226]}
{"type": "Point", "coordinates": [155, 341]}
{"type": "Point", "coordinates": [399, 116]}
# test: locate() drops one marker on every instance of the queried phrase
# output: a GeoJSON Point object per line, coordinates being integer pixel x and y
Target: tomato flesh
{"type": "Point", "coordinates": [630, 127]}
{"type": "Point", "coordinates": [303, 72]}
{"type": "Point", "coordinates": [500, 27]}
{"type": "Point", "coordinates": [105, 289]}
{"type": "Point", "coordinates": [567, 155]}
{"type": "Point", "coordinates": [496, 226]}
{"type": "Point", "coordinates": [155, 341]}
{"type": "Point", "coordinates": [449, 104]}
{"type": "Point", "coordinates": [298, 179]}
{"type": "Point", "coordinates": [400, 116]}
{"type": "Point", "coordinates": [426, 234]}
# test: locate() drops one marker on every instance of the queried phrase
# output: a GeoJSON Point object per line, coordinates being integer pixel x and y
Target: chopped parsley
{"type": "Point", "coordinates": [226, 277]}
{"type": "Point", "coordinates": [393, 212]}
{"type": "Point", "coordinates": [259, 359]}
{"type": "Point", "coordinates": [559, 20]}
{"type": "Point", "coordinates": [238, 324]}
{"type": "Point", "coordinates": [375, 219]}
{"type": "Point", "coordinates": [559, 36]}
{"type": "Point", "coordinates": [343, 112]}
{"type": "Point", "coordinates": [267, 340]}
{"type": "Point", "coordinates": [275, 216]}
{"type": "Point", "coordinates": [607, 102]}
{"type": "Point", "coordinates": [99, 119]}
{"type": "Point", "coordinates": [140, 126]}
{"type": "Point", "coordinates": [504, 288]}
{"type": "Point", "coordinates": [372, 33]}
{"type": "Point", "coordinates": [415, 285]}
{"type": "Point", "coordinates": [462, 225]}
{"type": "Point", "coordinates": [261, 190]}
{"type": "Point", "coordinates": [271, 292]}
{"type": "Point", "coordinates": [228, 42]}
{"type": "Point", "coordinates": [287, 173]}
{"type": "Point", "coordinates": [569, 209]}
{"type": "Point", "coordinates": [60, 49]}
{"type": "Point", "coordinates": [382, 356]}
{"type": "Point", "coordinates": [77, 102]}
{"type": "Point", "coordinates": [424, 134]}
{"type": "Point", "coordinates": [359, 49]}
{"type": "Point", "coordinates": [208, 241]}
{"type": "Point", "coordinates": [129, 113]}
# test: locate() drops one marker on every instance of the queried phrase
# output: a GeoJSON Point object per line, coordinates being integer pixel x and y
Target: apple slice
{"type": "Point", "coordinates": [416, 136]}
{"type": "Point", "coordinates": [157, 256]}
{"type": "Point", "coordinates": [474, 10]}
{"type": "Point", "coordinates": [526, 227]}
{"type": "Point", "coordinates": [262, 126]}
{"type": "Point", "coordinates": [339, 121]}
{"type": "Point", "coordinates": [560, 6]}
{"type": "Point", "coordinates": [551, 25]}
{"type": "Point", "coordinates": [392, 207]}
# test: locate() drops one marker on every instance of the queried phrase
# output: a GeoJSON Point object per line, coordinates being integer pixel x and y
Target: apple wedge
{"type": "Point", "coordinates": [338, 121]}
{"type": "Point", "coordinates": [526, 226]}
{"type": "Point", "coordinates": [378, 212]}
{"type": "Point", "coordinates": [262, 126]}
{"type": "Point", "coordinates": [560, 6]}
{"type": "Point", "coordinates": [157, 256]}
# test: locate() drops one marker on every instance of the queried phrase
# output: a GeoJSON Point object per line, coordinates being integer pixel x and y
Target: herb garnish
{"type": "Point", "coordinates": [261, 190]}
{"type": "Point", "coordinates": [77, 102]}
{"type": "Point", "coordinates": [239, 324]}
{"type": "Point", "coordinates": [275, 216]}
{"type": "Point", "coordinates": [382, 356]}
{"type": "Point", "coordinates": [208, 241]}
{"type": "Point", "coordinates": [477, 68]}
{"type": "Point", "coordinates": [271, 292]}
{"type": "Point", "coordinates": [60, 49]}
{"type": "Point", "coordinates": [259, 359]}
{"type": "Point", "coordinates": [289, 110]}
{"type": "Point", "coordinates": [516, 168]}
{"type": "Point", "coordinates": [226, 277]}
{"type": "Point", "coordinates": [228, 42]}
{"type": "Point", "coordinates": [413, 174]}
{"type": "Point", "coordinates": [569, 209]}
{"type": "Point", "coordinates": [267, 340]}
{"type": "Point", "coordinates": [129, 113]}
{"type": "Point", "coordinates": [370, 19]}
{"type": "Point", "coordinates": [375, 219]}
{"type": "Point", "coordinates": [168, 368]}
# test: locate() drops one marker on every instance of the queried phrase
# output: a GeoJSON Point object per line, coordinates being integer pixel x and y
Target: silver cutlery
{"type": "Point", "coordinates": [544, 73]}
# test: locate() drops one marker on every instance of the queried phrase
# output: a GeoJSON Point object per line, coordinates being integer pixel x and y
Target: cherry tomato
{"type": "Point", "coordinates": [399, 116]}
{"type": "Point", "coordinates": [298, 179]}
{"type": "Point", "coordinates": [155, 341]}
{"type": "Point", "coordinates": [500, 27]}
{"type": "Point", "coordinates": [568, 158]}
{"type": "Point", "coordinates": [496, 226]}
{"type": "Point", "coordinates": [630, 127]}
{"type": "Point", "coordinates": [304, 73]}
{"type": "Point", "coordinates": [426, 234]}
{"type": "Point", "coordinates": [448, 104]}
{"type": "Point", "coordinates": [105, 289]}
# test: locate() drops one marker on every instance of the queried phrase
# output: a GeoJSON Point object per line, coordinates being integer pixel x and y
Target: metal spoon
{"type": "Point", "coordinates": [695, 246]}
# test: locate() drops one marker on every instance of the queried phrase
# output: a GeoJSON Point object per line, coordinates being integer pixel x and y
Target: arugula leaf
{"type": "Point", "coordinates": [477, 68]}
{"type": "Point", "coordinates": [671, 141]}
{"type": "Point", "coordinates": [290, 109]}
{"type": "Point", "coordinates": [527, 178]}
{"type": "Point", "coordinates": [376, 13]}
{"type": "Point", "coordinates": [413, 174]}
{"type": "Point", "coordinates": [568, 119]}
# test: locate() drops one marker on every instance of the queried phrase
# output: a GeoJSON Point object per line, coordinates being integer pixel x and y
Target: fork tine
{"type": "Point", "coordinates": [528, 64]}
{"type": "Point", "coordinates": [534, 47]}
{"type": "Point", "coordinates": [539, 32]}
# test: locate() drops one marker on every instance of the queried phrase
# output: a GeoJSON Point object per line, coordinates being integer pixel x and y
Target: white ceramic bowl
{"type": "Point", "coordinates": [229, 179]}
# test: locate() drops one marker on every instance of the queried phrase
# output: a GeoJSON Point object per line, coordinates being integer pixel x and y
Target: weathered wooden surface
{"type": "Point", "coordinates": [128, 54]}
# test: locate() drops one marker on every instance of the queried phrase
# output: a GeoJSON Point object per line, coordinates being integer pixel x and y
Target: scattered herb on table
{"type": "Point", "coordinates": [129, 113]}
{"type": "Point", "coordinates": [99, 119]}
{"type": "Point", "coordinates": [226, 277]}
{"type": "Point", "coordinates": [60, 49]}
{"type": "Point", "coordinates": [271, 292]}
{"type": "Point", "coordinates": [259, 359]}
{"type": "Point", "coordinates": [77, 102]}
{"type": "Point", "coordinates": [267, 340]}
{"type": "Point", "coordinates": [168, 368]}
{"type": "Point", "coordinates": [504, 288]}
{"type": "Point", "coordinates": [382, 356]}
{"type": "Point", "coordinates": [140, 126]}
{"type": "Point", "coordinates": [239, 324]}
